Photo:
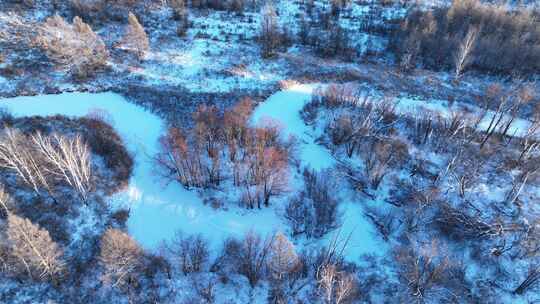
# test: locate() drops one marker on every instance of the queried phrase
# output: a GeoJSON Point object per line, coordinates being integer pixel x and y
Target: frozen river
{"type": "Point", "coordinates": [159, 210]}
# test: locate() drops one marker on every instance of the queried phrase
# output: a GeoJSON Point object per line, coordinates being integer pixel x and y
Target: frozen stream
{"type": "Point", "coordinates": [158, 210]}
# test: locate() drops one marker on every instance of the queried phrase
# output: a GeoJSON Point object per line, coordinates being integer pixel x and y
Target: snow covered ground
{"type": "Point", "coordinates": [414, 106]}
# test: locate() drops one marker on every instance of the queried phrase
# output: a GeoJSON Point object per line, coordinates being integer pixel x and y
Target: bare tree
{"type": "Point", "coordinates": [282, 258]}
{"type": "Point", "coordinates": [178, 7]}
{"type": "Point", "coordinates": [236, 130]}
{"type": "Point", "coordinates": [6, 202]}
{"type": "Point", "coordinates": [518, 183]}
{"type": "Point", "coordinates": [16, 155]}
{"type": "Point", "coordinates": [314, 212]}
{"type": "Point", "coordinates": [36, 253]}
{"type": "Point", "coordinates": [380, 156]}
{"type": "Point", "coordinates": [191, 252]}
{"type": "Point", "coordinates": [529, 143]}
{"type": "Point", "coordinates": [101, 9]}
{"type": "Point", "coordinates": [411, 50]}
{"type": "Point", "coordinates": [272, 174]}
{"type": "Point", "coordinates": [28, 3]}
{"type": "Point", "coordinates": [66, 158]}
{"type": "Point", "coordinates": [504, 105]}
{"type": "Point", "coordinates": [270, 36]}
{"type": "Point", "coordinates": [464, 55]}
{"type": "Point", "coordinates": [256, 158]}
{"type": "Point", "coordinates": [532, 277]}
{"type": "Point", "coordinates": [135, 38]}
{"type": "Point", "coordinates": [336, 287]}
{"type": "Point", "coordinates": [205, 287]}
{"type": "Point", "coordinates": [249, 256]}
{"type": "Point", "coordinates": [352, 129]}
{"type": "Point", "coordinates": [120, 258]}
{"type": "Point", "coordinates": [460, 224]}
{"type": "Point", "coordinates": [73, 46]}
{"type": "Point", "coordinates": [423, 270]}
{"type": "Point", "coordinates": [177, 160]}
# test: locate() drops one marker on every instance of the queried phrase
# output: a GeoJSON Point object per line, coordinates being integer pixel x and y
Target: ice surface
{"type": "Point", "coordinates": [284, 107]}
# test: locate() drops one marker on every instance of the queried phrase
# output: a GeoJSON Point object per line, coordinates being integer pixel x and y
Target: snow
{"type": "Point", "coordinates": [407, 105]}
{"type": "Point", "coordinates": [284, 107]}
{"type": "Point", "coordinates": [158, 211]}
{"type": "Point", "coordinates": [207, 66]}
{"type": "Point", "coordinates": [414, 105]}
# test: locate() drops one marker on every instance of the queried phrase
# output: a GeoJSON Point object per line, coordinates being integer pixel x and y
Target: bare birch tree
{"type": "Point", "coordinates": [269, 31]}
{"type": "Point", "coordinates": [336, 287]}
{"type": "Point", "coordinates": [120, 258]}
{"type": "Point", "coordinates": [16, 155]}
{"type": "Point", "coordinates": [528, 142]}
{"type": "Point", "coordinates": [67, 159]}
{"type": "Point", "coordinates": [6, 202]}
{"type": "Point", "coordinates": [36, 253]}
{"type": "Point", "coordinates": [464, 56]}
{"type": "Point", "coordinates": [519, 182]}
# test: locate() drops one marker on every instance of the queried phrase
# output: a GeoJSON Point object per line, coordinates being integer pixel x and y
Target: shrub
{"type": "Point", "coordinates": [314, 212]}
{"type": "Point", "coordinates": [107, 143]}
{"type": "Point", "coordinates": [190, 252]}
{"type": "Point", "coordinates": [121, 217]}
{"type": "Point", "coordinates": [103, 9]}
{"type": "Point", "coordinates": [6, 117]}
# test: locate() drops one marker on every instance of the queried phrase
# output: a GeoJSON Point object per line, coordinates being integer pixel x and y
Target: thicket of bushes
{"type": "Point", "coordinates": [223, 148]}
{"type": "Point", "coordinates": [507, 41]}
{"type": "Point", "coordinates": [107, 143]}
{"type": "Point", "coordinates": [93, 10]}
